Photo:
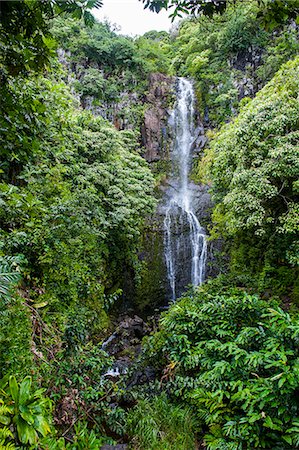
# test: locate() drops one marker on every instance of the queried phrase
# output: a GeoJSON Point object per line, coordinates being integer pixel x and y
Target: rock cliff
{"type": "Point", "coordinates": [155, 130]}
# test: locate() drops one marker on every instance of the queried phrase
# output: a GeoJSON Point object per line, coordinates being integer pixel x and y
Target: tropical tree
{"type": "Point", "coordinates": [273, 12]}
{"type": "Point", "coordinates": [256, 165]}
{"type": "Point", "coordinates": [26, 40]}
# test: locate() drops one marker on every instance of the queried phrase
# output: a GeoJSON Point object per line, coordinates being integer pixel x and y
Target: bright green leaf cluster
{"type": "Point", "coordinates": [24, 411]}
{"type": "Point", "coordinates": [234, 357]}
{"type": "Point", "coordinates": [256, 162]}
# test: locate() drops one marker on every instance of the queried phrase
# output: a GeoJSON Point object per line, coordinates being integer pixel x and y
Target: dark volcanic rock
{"type": "Point", "coordinates": [125, 341]}
{"type": "Point", "coordinates": [142, 377]}
{"type": "Point", "coordinates": [155, 133]}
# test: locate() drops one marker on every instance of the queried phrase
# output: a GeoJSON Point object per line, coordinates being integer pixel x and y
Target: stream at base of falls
{"type": "Point", "coordinates": [184, 237]}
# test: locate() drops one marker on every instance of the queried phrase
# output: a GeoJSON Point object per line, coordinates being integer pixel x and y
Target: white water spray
{"type": "Point", "coordinates": [179, 208]}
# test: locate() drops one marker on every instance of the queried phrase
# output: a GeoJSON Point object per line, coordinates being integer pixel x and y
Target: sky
{"type": "Point", "coordinates": [131, 17]}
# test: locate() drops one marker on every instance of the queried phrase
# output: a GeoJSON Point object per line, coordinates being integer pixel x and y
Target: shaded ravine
{"type": "Point", "coordinates": [185, 249]}
{"type": "Point", "coordinates": [179, 211]}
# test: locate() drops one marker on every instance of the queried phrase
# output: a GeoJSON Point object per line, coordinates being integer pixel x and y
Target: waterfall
{"type": "Point", "coordinates": [180, 220]}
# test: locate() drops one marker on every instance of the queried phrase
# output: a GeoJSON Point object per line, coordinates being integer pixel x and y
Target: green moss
{"type": "Point", "coordinates": [151, 290]}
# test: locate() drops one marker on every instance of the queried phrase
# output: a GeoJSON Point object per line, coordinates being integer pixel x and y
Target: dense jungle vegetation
{"type": "Point", "coordinates": [75, 194]}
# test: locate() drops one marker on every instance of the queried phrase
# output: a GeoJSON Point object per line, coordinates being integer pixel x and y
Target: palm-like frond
{"type": "Point", "coordinates": [6, 434]}
{"type": "Point", "coordinates": [8, 446]}
{"type": "Point", "coordinates": [8, 278]}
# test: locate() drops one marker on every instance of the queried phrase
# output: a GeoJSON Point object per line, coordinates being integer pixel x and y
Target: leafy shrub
{"type": "Point", "coordinates": [97, 192]}
{"type": "Point", "coordinates": [8, 276]}
{"type": "Point", "coordinates": [256, 163]}
{"type": "Point", "coordinates": [254, 170]}
{"type": "Point", "coordinates": [23, 412]}
{"type": "Point", "coordinates": [234, 358]}
{"type": "Point", "coordinates": [82, 370]}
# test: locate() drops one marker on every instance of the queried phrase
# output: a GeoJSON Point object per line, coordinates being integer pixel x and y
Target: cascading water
{"type": "Point", "coordinates": [179, 215]}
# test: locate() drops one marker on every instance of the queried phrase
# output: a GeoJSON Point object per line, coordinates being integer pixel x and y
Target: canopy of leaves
{"type": "Point", "coordinates": [108, 68]}
{"type": "Point", "coordinates": [26, 41]}
{"type": "Point", "coordinates": [187, 7]}
{"type": "Point", "coordinates": [97, 190]}
{"type": "Point", "coordinates": [256, 162]}
{"type": "Point", "coordinates": [273, 12]}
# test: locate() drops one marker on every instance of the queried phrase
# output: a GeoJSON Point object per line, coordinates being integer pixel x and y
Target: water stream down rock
{"type": "Point", "coordinates": [180, 218]}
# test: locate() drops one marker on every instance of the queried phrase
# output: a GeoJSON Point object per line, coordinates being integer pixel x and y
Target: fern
{"type": "Point", "coordinates": [8, 276]}
{"type": "Point", "coordinates": [5, 435]}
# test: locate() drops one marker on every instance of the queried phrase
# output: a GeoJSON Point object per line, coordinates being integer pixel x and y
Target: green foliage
{"type": "Point", "coordinates": [191, 6]}
{"type": "Point", "coordinates": [158, 424]}
{"type": "Point", "coordinates": [153, 52]}
{"type": "Point", "coordinates": [8, 277]}
{"type": "Point", "coordinates": [83, 439]}
{"type": "Point", "coordinates": [81, 370]}
{"type": "Point", "coordinates": [234, 357]}
{"type": "Point", "coordinates": [97, 192]}
{"type": "Point", "coordinates": [282, 47]}
{"type": "Point", "coordinates": [26, 42]}
{"type": "Point", "coordinates": [256, 164]}
{"type": "Point", "coordinates": [24, 411]}
{"type": "Point", "coordinates": [92, 83]}
{"type": "Point", "coordinates": [15, 337]}
{"type": "Point", "coordinates": [14, 321]}
{"type": "Point", "coordinates": [115, 78]}
{"type": "Point", "coordinates": [272, 12]}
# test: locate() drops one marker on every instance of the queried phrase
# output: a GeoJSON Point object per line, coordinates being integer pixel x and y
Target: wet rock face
{"type": "Point", "coordinates": [200, 138]}
{"type": "Point", "coordinates": [154, 131]}
{"type": "Point", "coordinates": [152, 288]}
{"type": "Point", "coordinates": [125, 345]}
{"type": "Point", "coordinates": [202, 205]}
{"type": "Point", "coordinates": [115, 112]}
{"type": "Point", "coordinates": [245, 65]}
{"type": "Point", "coordinates": [128, 334]}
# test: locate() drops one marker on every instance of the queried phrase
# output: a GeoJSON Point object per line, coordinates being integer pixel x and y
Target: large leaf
{"type": "Point", "coordinates": [42, 425]}
{"type": "Point", "coordinates": [25, 388]}
{"type": "Point", "coordinates": [26, 433]}
{"type": "Point", "coordinates": [26, 414]}
{"type": "Point", "coordinates": [14, 388]}
{"type": "Point", "coordinates": [4, 382]}
{"type": "Point", "coordinates": [5, 420]}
